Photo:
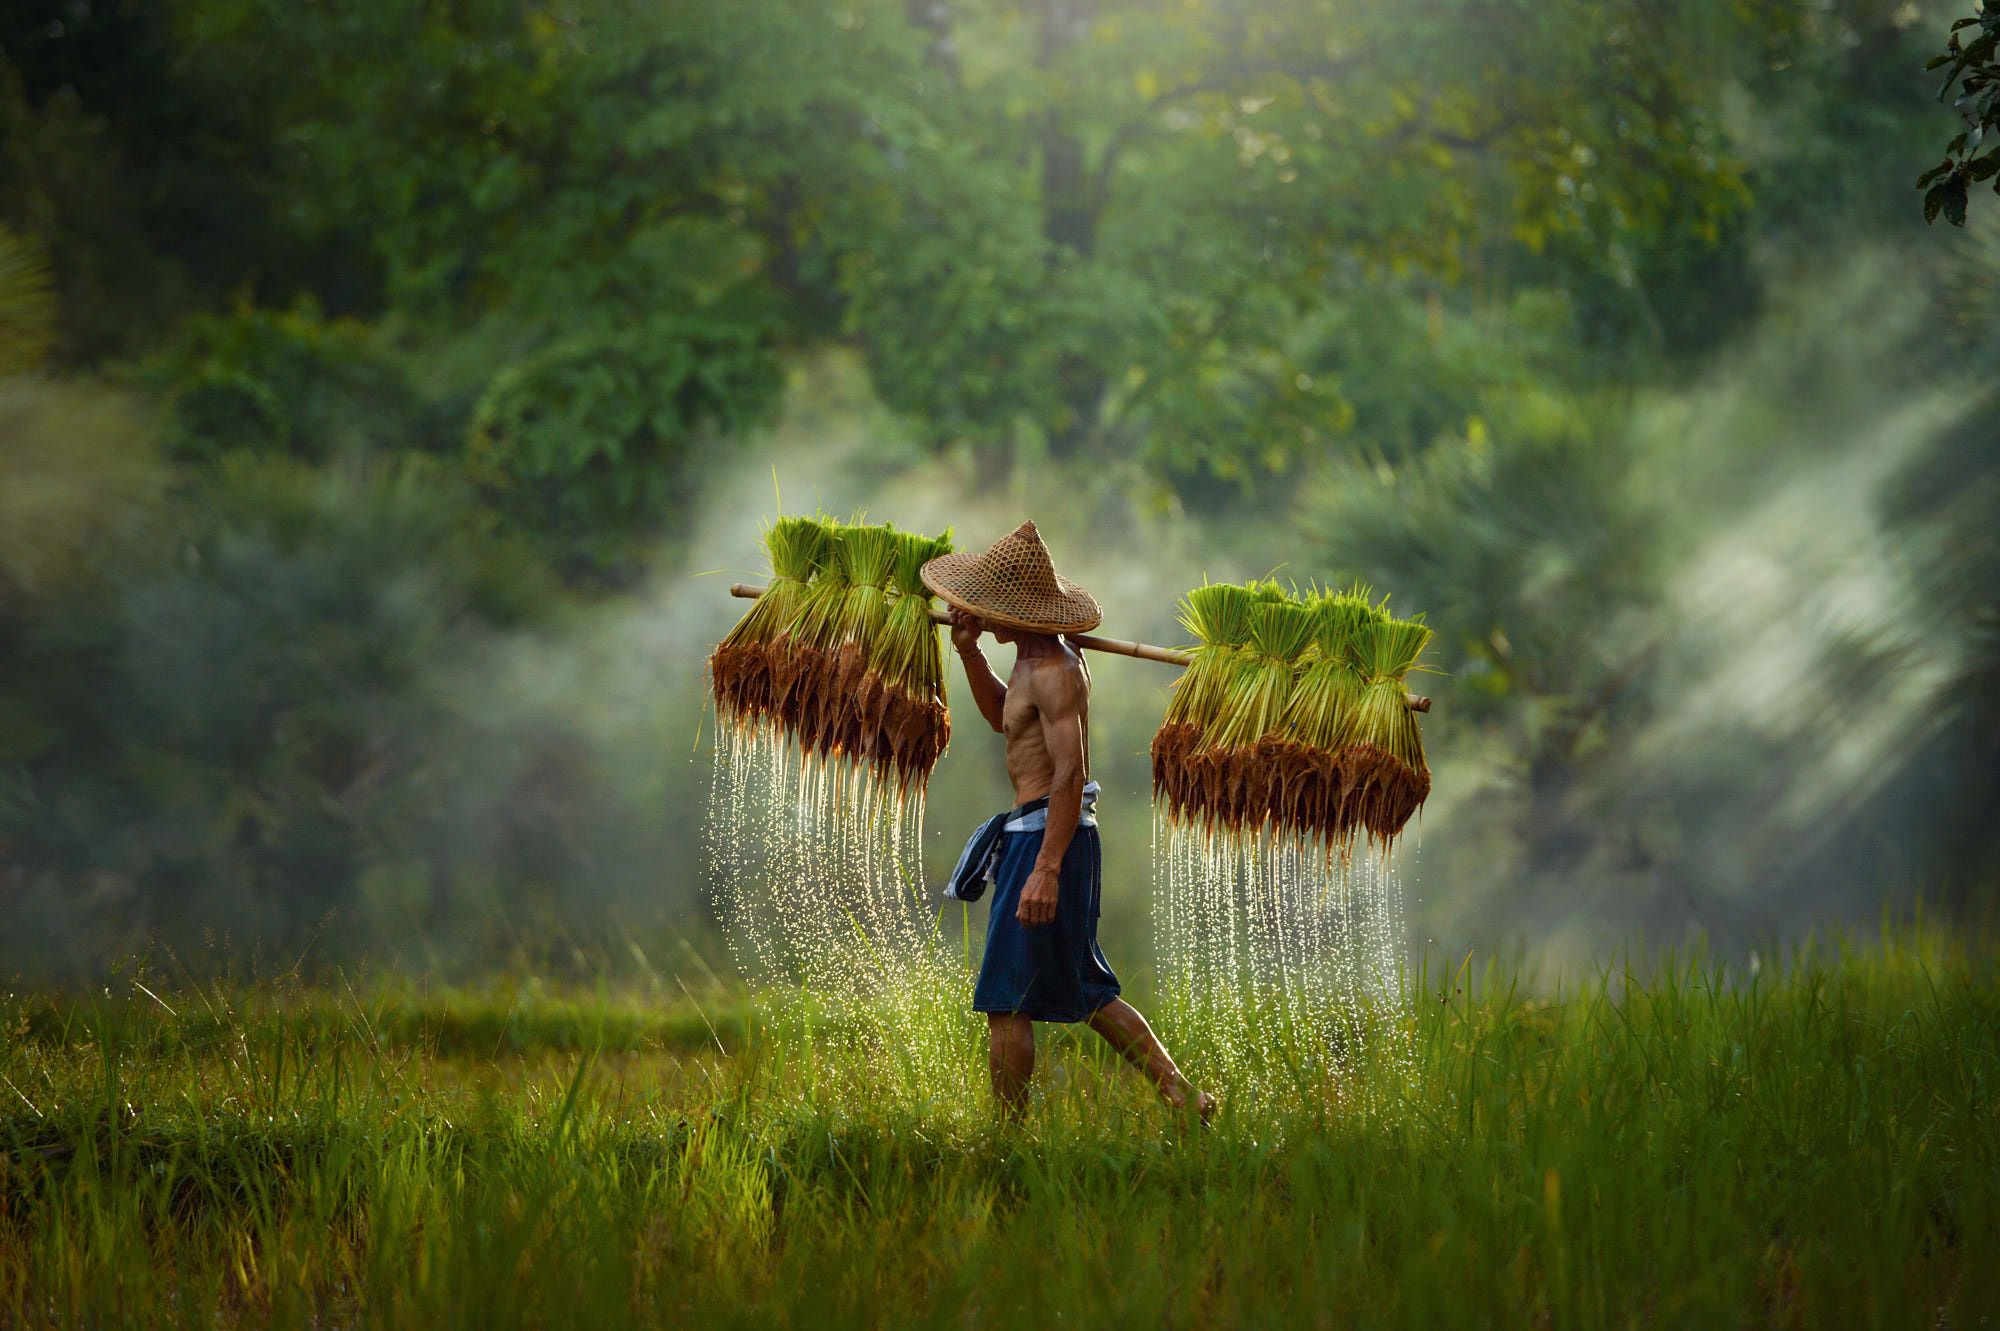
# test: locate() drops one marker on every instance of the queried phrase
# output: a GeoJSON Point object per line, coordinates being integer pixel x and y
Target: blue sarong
{"type": "Point", "coordinates": [1053, 971]}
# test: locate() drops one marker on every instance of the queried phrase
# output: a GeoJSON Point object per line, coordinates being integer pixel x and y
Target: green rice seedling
{"type": "Point", "coordinates": [1384, 777]}
{"type": "Point", "coordinates": [867, 556]}
{"type": "Point", "coordinates": [1245, 778]}
{"type": "Point", "coordinates": [1320, 714]}
{"type": "Point", "coordinates": [1322, 706]}
{"type": "Point", "coordinates": [1292, 715]}
{"type": "Point", "coordinates": [1217, 616]}
{"type": "Point", "coordinates": [740, 668]}
{"type": "Point", "coordinates": [902, 695]}
{"type": "Point", "coordinates": [813, 637]}
{"type": "Point", "coordinates": [1254, 705]}
{"type": "Point", "coordinates": [908, 651]}
{"type": "Point", "coordinates": [817, 623]}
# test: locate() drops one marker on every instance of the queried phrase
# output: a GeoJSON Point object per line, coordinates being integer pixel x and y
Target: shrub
{"type": "Point", "coordinates": [285, 383]}
{"type": "Point", "coordinates": [591, 441]}
{"type": "Point", "coordinates": [248, 704]}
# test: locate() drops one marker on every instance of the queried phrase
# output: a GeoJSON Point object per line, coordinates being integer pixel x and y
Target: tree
{"type": "Point", "coordinates": [284, 383]}
{"type": "Point", "coordinates": [1117, 217]}
{"type": "Point", "coordinates": [154, 179]}
{"type": "Point", "coordinates": [594, 437]}
{"type": "Point", "coordinates": [1086, 223]}
{"type": "Point", "coordinates": [611, 199]}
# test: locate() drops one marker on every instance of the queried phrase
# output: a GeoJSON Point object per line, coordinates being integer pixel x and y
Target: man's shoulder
{"type": "Point", "coordinates": [1068, 664]}
{"type": "Point", "coordinates": [1057, 682]}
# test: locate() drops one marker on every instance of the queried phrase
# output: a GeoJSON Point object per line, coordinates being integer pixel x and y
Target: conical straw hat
{"type": "Point", "coordinates": [1014, 584]}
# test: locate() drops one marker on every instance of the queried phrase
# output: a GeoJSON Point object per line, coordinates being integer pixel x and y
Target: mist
{"type": "Point", "coordinates": [1800, 673]}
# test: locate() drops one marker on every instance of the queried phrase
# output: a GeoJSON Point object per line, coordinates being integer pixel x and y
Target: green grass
{"type": "Point", "coordinates": [1816, 1145]}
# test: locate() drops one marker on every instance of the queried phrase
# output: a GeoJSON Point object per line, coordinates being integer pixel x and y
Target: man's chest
{"type": "Point", "coordinates": [1019, 716]}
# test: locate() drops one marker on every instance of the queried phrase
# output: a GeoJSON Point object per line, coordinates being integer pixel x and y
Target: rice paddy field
{"type": "Point", "coordinates": [1814, 1144]}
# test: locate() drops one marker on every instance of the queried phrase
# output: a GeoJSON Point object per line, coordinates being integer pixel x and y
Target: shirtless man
{"type": "Point", "coordinates": [1042, 961]}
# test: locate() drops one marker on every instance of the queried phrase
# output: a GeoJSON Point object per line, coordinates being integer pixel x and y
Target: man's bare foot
{"type": "Point", "coordinates": [1204, 1103]}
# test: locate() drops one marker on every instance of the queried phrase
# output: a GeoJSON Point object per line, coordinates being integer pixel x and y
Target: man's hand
{"type": "Point", "coordinates": [965, 629]}
{"type": "Point", "coordinates": [1038, 898]}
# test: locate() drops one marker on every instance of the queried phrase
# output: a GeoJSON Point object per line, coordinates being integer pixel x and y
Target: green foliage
{"type": "Point", "coordinates": [1473, 167]}
{"type": "Point", "coordinates": [1036, 229]}
{"type": "Point", "coordinates": [594, 439]}
{"type": "Point", "coordinates": [284, 383]}
{"type": "Point", "coordinates": [969, 324]}
{"type": "Point", "coordinates": [578, 167]}
{"type": "Point", "coordinates": [1217, 237]}
{"type": "Point", "coordinates": [236, 702]}
{"type": "Point", "coordinates": [1134, 257]}
{"type": "Point", "coordinates": [1809, 1143]}
{"type": "Point", "coordinates": [1972, 65]}
{"type": "Point", "coordinates": [160, 177]}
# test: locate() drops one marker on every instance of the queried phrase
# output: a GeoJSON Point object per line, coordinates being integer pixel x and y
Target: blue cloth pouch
{"type": "Point", "coordinates": [973, 873]}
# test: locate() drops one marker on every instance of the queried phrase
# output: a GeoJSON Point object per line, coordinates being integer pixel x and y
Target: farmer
{"type": "Point", "coordinates": [1042, 960]}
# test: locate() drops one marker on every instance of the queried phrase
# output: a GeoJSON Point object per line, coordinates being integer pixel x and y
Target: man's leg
{"type": "Point", "coordinates": [1010, 1056]}
{"type": "Point", "coordinates": [1121, 1024]}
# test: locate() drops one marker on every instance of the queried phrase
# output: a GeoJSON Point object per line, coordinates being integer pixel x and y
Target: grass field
{"type": "Point", "coordinates": [1817, 1145]}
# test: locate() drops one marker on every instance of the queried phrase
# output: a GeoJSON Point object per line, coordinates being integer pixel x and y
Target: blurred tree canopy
{"type": "Point", "coordinates": [1057, 223]}
{"type": "Point", "coordinates": [1060, 224]}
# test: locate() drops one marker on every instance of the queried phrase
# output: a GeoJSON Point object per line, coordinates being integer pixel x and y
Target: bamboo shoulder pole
{"type": "Point", "coordinates": [1145, 651]}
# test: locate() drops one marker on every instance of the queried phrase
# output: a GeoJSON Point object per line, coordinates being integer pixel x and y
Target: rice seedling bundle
{"type": "Point", "coordinates": [1319, 719]}
{"type": "Point", "coordinates": [1244, 766]}
{"type": "Point", "coordinates": [799, 654]}
{"type": "Point", "coordinates": [1384, 778]}
{"type": "Point", "coordinates": [1293, 717]}
{"type": "Point", "coordinates": [1217, 616]}
{"type": "Point", "coordinates": [840, 654]}
{"type": "Point", "coordinates": [866, 556]}
{"type": "Point", "coordinates": [741, 669]}
{"type": "Point", "coordinates": [902, 694]}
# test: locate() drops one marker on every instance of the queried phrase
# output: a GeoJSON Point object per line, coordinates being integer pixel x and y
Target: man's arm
{"type": "Point", "coordinates": [1059, 695]}
{"type": "Point", "coordinates": [988, 692]}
